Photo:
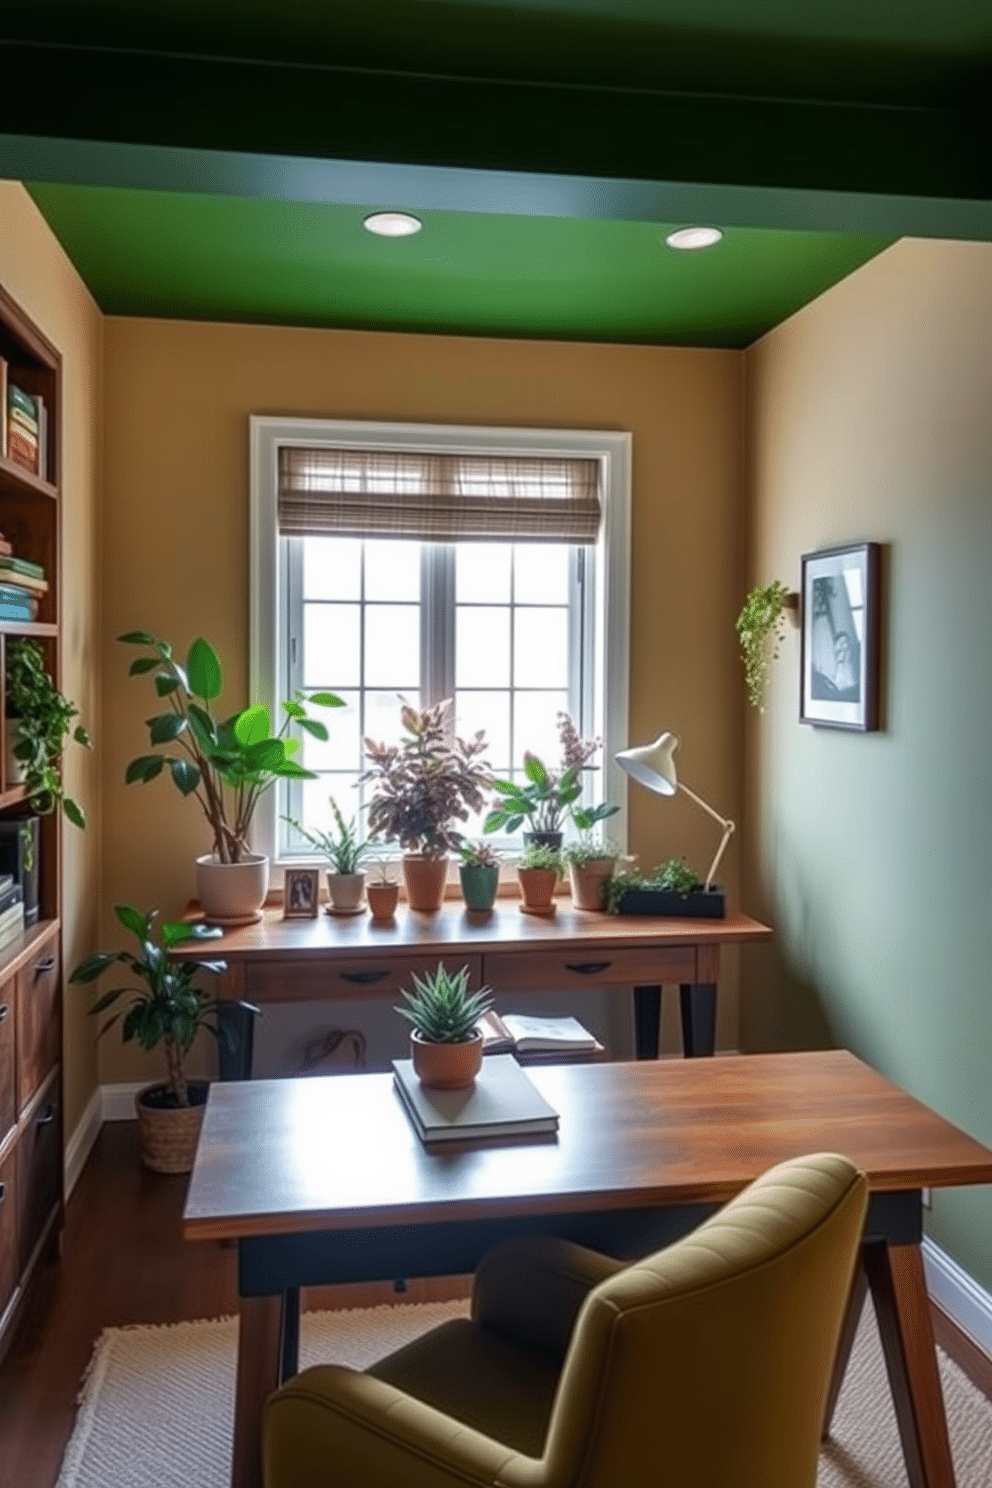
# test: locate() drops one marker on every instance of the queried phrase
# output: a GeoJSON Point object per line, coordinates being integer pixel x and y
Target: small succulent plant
{"type": "Point", "coordinates": [442, 1009]}
{"type": "Point", "coordinates": [537, 855]}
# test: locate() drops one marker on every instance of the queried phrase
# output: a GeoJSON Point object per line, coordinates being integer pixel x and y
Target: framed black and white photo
{"type": "Point", "coordinates": [301, 893]}
{"type": "Point", "coordinates": [839, 682]}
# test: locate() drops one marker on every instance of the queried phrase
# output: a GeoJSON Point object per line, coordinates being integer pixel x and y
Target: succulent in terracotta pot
{"type": "Point", "coordinates": [445, 1043]}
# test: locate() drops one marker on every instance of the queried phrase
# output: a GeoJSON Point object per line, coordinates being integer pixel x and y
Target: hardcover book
{"type": "Point", "coordinates": [531, 1035]}
{"type": "Point", "coordinates": [501, 1103]}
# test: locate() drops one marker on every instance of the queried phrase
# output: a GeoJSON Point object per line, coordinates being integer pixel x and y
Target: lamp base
{"type": "Point", "coordinates": [698, 904]}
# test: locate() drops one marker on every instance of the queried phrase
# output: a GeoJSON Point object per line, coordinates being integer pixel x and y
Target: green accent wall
{"type": "Point", "coordinates": [199, 257]}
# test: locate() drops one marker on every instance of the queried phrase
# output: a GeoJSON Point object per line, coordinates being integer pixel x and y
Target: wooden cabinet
{"type": "Point", "coordinates": [31, 1189]}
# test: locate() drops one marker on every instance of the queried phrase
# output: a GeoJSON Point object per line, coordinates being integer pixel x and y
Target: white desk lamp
{"type": "Point", "coordinates": [653, 765]}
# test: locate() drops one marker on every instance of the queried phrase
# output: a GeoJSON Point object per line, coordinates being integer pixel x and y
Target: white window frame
{"type": "Point", "coordinates": [612, 566]}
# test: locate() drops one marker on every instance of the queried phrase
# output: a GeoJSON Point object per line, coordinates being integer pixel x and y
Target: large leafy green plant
{"type": "Point", "coordinates": [165, 1006]}
{"type": "Point", "coordinates": [227, 764]}
{"type": "Point", "coordinates": [549, 796]}
{"type": "Point", "coordinates": [44, 718]}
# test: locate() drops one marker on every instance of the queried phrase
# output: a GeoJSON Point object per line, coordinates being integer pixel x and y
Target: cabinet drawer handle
{"type": "Point", "coordinates": [3, 1192]}
{"type": "Point", "coordinates": [3, 1012]}
{"type": "Point", "coordinates": [364, 978]}
{"type": "Point", "coordinates": [41, 967]}
{"type": "Point", "coordinates": [46, 1115]}
{"type": "Point", "coordinates": [588, 968]}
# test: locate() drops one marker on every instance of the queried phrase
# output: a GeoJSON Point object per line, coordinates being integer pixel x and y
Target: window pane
{"type": "Point", "coordinates": [540, 647]}
{"type": "Point", "coordinates": [316, 803]}
{"type": "Point", "coordinates": [540, 573]}
{"type": "Point", "coordinates": [535, 728]}
{"type": "Point", "coordinates": [392, 570]}
{"type": "Point", "coordinates": [343, 749]}
{"type": "Point", "coordinates": [332, 567]}
{"type": "Point", "coordinates": [330, 645]}
{"type": "Point", "coordinates": [482, 646]}
{"type": "Point", "coordinates": [392, 647]}
{"type": "Point", "coordinates": [489, 711]}
{"type": "Point", "coordinates": [382, 716]}
{"type": "Point", "coordinates": [482, 572]}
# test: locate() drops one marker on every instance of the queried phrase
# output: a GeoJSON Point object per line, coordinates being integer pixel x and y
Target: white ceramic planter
{"type": "Point", "coordinates": [232, 893]}
{"type": "Point", "coordinates": [346, 891]}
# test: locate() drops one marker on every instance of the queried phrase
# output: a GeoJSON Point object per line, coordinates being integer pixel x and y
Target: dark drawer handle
{"type": "Point", "coordinates": [41, 967]}
{"type": "Point", "coordinates": [3, 1012]}
{"type": "Point", "coordinates": [588, 968]}
{"type": "Point", "coordinates": [364, 978]}
{"type": "Point", "coordinates": [46, 1115]}
{"type": "Point", "coordinates": [3, 1192]}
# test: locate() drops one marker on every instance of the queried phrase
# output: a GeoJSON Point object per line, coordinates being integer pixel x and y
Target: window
{"type": "Point", "coordinates": [376, 572]}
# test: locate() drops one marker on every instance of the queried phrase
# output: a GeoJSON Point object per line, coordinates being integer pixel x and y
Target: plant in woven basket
{"type": "Point", "coordinates": [165, 1007]}
{"type": "Point", "coordinates": [442, 1009]}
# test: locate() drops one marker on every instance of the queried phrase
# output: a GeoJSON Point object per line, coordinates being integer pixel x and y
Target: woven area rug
{"type": "Point", "coordinates": [157, 1403]}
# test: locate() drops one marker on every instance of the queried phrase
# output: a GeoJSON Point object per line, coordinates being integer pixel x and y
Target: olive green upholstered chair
{"type": "Point", "coordinates": [705, 1365]}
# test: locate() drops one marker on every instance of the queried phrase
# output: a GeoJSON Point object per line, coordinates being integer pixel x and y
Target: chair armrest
{"type": "Point", "coordinates": [332, 1424]}
{"type": "Point", "coordinates": [532, 1287]}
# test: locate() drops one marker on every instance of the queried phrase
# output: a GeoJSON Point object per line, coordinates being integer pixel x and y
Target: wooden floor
{"type": "Point", "coordinates": [125, 1261]}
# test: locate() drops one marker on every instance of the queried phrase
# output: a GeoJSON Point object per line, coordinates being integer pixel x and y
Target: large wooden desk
{"type": "Point", "coordinates": [323, 1180]}
{"type": "Point", "coordinates": [330, 959]}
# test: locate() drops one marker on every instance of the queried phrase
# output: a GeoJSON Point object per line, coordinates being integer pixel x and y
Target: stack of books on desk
{"type": "Point", "coordinates": [522, 1033]}
{"type": "Point", "coordinates": [501, 1103]}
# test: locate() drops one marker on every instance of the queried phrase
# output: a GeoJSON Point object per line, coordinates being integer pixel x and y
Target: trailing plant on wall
{"type": "Point", "coordinates": [761, 627]}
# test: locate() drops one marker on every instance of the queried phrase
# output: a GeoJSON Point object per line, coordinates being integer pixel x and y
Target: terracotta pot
{"type": "Point", "coordinates": [167, 1135]}
{"type": "Point", "coordinates": [479, 884]}
{"type": "Point", "coordinates": [425, 879]}
{"type": "Point", "coordinates": [589, 882]}
{"type": "Point", "coordinates": [382, 899]}
{"type": "Point", "coordinates": [232, 893]}
{"type": "Point", "coordinates": [537, 885]}
{"type": "Point", "coordinates": [346, 890]}
{"type": "Point", "coordinates": [446, 1066]}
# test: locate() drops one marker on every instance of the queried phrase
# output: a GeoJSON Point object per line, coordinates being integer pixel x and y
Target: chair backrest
{"type": "Point", "coordinates": [707, 1365]}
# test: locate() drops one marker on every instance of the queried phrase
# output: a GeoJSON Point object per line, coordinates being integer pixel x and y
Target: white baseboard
{"type": "Point", "coordinates": [80, 1144]}
{"type": "Point", "coordinates": [118, 1100]}
{"type": "Point", "coordinates": [959, 1295]}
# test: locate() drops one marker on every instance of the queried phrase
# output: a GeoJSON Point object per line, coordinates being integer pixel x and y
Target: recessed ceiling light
{"type": "Point", "coordinates": [393, 224]}
{"type": "Point", "coordinates": [694, 237]}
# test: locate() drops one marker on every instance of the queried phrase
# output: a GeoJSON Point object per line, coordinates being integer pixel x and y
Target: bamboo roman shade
{"type": "Point", "coordinates": [432, 497]}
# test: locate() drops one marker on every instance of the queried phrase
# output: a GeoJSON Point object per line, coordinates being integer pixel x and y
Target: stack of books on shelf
{"type": "Point", "coordinates": [11, 910]}
{"type": "Point", "coordinates": [21, 585]}
{"type": "Point", "coordinates": [522, 1033]}
{"type": "Point", "coordinates": [501, 1103]}
{"type": "Point", "coordinates": [23, 425]}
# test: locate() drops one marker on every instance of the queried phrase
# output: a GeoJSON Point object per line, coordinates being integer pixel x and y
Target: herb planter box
{"type": "Point", "coordinates": [701, 904]}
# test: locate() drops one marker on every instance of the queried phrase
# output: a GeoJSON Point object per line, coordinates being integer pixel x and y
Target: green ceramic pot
{"type": "Point", "coordinates": [479, 884]}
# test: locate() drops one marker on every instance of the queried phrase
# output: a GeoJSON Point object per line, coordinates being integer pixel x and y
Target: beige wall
{"type": "Point", "coordinates": [35, 271]}
{"type": "Point", "coordinates": [870, 417]}
{"type": "Point", "coordinates": [176, 538]}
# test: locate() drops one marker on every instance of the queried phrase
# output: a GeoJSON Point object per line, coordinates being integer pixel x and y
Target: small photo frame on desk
{"type": "Point", "coordinates": [301, 894]}
{"type": "Point", "coordinates": [839, 682]}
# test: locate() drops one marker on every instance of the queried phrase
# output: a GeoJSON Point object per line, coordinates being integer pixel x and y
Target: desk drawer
{"type": "Point", "coordinates": [622, 966]}
{"type": "Point", "coordinates": [335, 979]}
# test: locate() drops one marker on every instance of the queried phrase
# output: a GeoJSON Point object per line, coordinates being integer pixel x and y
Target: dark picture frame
{"type": "Point", "coordinates": [301, 894]}
{"type": "Point", "coordinates": [838, 684]}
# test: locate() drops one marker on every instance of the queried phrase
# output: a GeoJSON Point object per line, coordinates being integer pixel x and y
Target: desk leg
{"type": "Point", "coordinates": [849, 1327]}
{"type": "Point", "coordinates": [259, 1342]}
{"type": "Point", "coordinates": [902, 1306]}
{"type": "Point", "coordinates": [698, 1007]}
{"type": "Point", "coordinates": [647, 1022]}
{"type": "Point", "coordinates": [235, 1046]}
{"type": "Point", "coordinates": [290, 1353]}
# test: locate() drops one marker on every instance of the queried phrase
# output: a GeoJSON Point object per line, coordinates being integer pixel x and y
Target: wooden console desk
{"type": "Point", "coordinates": [332, 958]}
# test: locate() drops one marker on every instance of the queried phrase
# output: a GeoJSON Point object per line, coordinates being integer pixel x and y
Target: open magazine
{"type": "Point", "coordinates": [525, 1034]}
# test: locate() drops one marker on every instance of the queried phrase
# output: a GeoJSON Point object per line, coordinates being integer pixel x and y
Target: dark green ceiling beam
{"type": "Point", "coordinates": [327, 134]}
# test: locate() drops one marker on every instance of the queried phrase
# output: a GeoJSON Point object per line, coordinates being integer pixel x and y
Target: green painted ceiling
{"type": "Point", "coordinates": [214, 158]}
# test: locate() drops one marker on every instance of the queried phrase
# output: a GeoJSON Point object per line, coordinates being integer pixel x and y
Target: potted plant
{"type": "Point", "coordinates": [590, 867]}
{"type": "Point", "coordinates": [445, 1043]}
{"type": "Point", "coordinates": [479, 874]}
{"type": "Point", "coordinates": [760, 626]}
{"type": "Point", "coordinates": [39, 724]}
{"type": "Point", "coordinates": [165, 1007]}
{"type": "Point", "coordinates": [673, 888]}
{"type": "Point", "coordinates": [422, 787]}
{"type": "Point", "coordinates": [549, 796]}
{"type": "Point", "coordinates": [382, 892]}
{"type": "Point", "coordinates": [539, 870]}
{"type": "Point", "coordinates": [345, 853]}
{"type": "Point", "coordinates": [226, 764]}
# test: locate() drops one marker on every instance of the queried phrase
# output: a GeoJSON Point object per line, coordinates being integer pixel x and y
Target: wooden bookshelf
{"type": "Point", "coordinates": [31, 1129]}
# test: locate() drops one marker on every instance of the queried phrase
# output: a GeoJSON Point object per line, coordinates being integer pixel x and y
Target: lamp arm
{"type": "Point", "coordinates": [725, 823]}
